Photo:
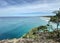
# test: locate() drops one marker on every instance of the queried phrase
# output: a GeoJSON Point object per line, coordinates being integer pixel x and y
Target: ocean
{"type": "Point", "coordinates": [16, 27]}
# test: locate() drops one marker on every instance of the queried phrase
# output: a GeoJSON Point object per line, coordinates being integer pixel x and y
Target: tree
{"type": "Point", "coordinates": [56, 19]}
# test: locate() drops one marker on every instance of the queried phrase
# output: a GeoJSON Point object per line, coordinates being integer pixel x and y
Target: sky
{"type": "Point", "coordinates": [28, 7]}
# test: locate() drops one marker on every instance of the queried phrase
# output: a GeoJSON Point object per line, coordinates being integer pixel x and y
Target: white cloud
{"type": "Point", "coordinates": [18, 10]}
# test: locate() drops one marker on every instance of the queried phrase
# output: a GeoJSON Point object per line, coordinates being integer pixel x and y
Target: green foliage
{"type": "Point", "coordinates": [43, 28]}
{"type": "Point", "coordinates": [33, 32]}
{"type": "Point", "coordinates": [53, 19]}
{"type": "Point", "coordinates": [57, 12]}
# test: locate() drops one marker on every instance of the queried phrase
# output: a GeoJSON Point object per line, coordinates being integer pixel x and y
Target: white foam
{"type": "Point", "coordinates": [45, 18]}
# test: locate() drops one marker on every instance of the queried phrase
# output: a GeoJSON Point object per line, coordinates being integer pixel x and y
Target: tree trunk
{"type": "Point", "coordinates": [57, 27]}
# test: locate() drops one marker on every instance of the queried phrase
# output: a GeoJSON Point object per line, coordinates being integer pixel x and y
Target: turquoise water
{"type": "Point", "coordinates": [15, 27]}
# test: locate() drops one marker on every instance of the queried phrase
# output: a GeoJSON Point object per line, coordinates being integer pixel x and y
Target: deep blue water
{"type": "Point", "coordinates": [15, 27]}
